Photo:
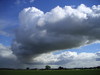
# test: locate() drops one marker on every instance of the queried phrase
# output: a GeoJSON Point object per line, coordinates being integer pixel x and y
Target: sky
{"type": "Point", "coordinates": [35, 33]}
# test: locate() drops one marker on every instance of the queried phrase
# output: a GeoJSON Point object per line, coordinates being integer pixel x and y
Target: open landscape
{"type": "Point", "coordinates": [51, 72]}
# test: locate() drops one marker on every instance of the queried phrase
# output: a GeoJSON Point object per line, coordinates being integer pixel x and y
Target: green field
{"type": "Point", "coordinates": [50, 72]}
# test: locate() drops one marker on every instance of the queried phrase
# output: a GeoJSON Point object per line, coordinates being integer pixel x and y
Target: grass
{"type": "Point", "coordinates": [50, 72]}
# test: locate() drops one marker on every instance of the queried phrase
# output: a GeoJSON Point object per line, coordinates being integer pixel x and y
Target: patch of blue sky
{"type": "Point", "coordinates": [7, 41]}
{"type": "Point", "coordinates": [92, 48]}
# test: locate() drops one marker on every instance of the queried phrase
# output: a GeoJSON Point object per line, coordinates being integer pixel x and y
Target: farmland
{"type": "Point", "coordinates": [51, 72]}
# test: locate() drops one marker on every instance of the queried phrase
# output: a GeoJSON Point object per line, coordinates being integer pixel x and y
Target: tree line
{"type": "Point", "coordinates": [48, 67]}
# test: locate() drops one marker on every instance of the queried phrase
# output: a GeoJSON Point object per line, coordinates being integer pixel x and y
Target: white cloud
{"type": "Point", "coordinates": [5, 51]}
{"type": "Point", "coordinates": [84, 9]}
{"type": "Point", "coordinates": [68, 59]}
{"type": "Point", "coordinates": [60, 28]}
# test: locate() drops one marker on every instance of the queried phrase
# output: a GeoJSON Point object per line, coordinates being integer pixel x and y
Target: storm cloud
{"type": "Point", "coordinates": [61, 28]}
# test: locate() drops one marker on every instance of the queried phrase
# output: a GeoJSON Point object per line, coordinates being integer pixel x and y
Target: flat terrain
{"type": "Point", "coordinates": [50, 72]}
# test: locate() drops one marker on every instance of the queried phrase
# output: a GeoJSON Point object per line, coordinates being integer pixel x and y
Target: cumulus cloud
{"type": "Point", "coordinates": [68, 59]}
{"type": "Point", "coordinates": [60, 28]}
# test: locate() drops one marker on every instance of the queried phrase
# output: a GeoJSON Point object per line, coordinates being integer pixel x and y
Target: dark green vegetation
{"type": "Point", "coordinates": [50, 72]}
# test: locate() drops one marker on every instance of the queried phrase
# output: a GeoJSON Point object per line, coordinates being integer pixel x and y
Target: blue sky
{"type": "Point", "coordinates": [10, 10]}
{"type": "Point", "coordinates": [21, 45]}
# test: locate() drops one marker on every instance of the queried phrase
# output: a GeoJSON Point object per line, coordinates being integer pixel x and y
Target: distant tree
{"type": "Point", "coordinates": [27, 68]}
{"type": "Point", "coordinates": [60, 68]}
{"type": "Point", "coordinates": [98, 67]}
{"type": "Point", "coordinates": [47, 67]}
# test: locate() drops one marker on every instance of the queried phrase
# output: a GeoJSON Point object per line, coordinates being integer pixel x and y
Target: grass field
{"type": "Point", "coordinates": [50, 72]}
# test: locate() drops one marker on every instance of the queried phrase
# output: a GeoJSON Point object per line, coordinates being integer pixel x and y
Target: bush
{"type": "Point", "coordinates": [47, 67]}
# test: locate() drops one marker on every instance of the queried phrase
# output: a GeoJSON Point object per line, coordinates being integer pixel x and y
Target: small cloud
{"type": "Point", "coordinates": [3, 33]}
{"type": "Point", "coordinates": [7, 27]}
{"type": "Point", "coordinates": [17, 2]}
{"type": "Point", "coordinates": [31, 1]}
{"type": "Point", "coordinates": [97, 59]}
